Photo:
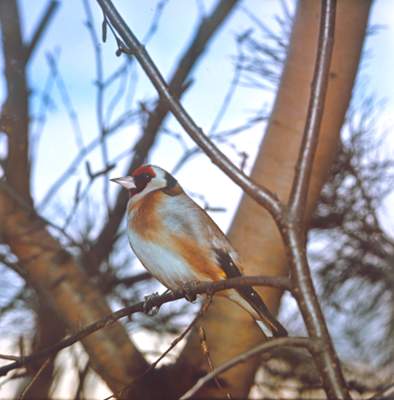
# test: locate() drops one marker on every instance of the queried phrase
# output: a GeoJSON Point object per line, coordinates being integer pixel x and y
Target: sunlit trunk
{"type": "Point", "coordinates": [253, 233]}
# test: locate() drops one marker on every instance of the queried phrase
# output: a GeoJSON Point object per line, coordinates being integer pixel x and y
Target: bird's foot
{"type": "Point", "coordinates": [149, 308]}
{"type": "Point", "coordinates": [188, 289]}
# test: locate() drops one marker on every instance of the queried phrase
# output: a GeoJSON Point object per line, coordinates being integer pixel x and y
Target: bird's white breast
{"type": "Point", "coordinates": [158, 257]}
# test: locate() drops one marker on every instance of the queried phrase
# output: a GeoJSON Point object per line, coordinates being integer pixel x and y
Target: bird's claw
{"type": "Point", "coordinates": [188, 289]}
{"type": "Point", "coordinates": [149, 308]}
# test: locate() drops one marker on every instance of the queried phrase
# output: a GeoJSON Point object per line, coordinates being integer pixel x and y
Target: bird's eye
{"type": "Point", "coordinates": [142, 180]}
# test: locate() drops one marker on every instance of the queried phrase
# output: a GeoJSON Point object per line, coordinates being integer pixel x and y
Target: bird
{"type": "Point", "coordinates": [181, 245]}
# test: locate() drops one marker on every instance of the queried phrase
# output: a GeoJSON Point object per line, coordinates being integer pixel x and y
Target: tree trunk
{"type": "Point", "coordinates": [49, 330]}
{"type": "Point", "coordinates": [56, 276]}
{"type": "Point", "coordinates": [253, 233]}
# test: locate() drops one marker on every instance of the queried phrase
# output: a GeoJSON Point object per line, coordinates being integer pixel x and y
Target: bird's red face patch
{"type": "Point", "coordinates": [141, 176]}
{"type": "Point", "coordinates": [144, 169]}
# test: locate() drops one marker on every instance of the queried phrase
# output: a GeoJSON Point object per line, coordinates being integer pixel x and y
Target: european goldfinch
{"type": "Point", "coordinates": [179, 244]}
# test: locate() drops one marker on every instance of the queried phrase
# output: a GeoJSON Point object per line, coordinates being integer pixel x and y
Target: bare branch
{"type": "Point", "coordinates": [205, 350]}
{"type": "Point", "coordinates": [262, 195]}
{"type": "Point", "coordinates": [15, 112]}
{"type": "Point", "coordinates": [34, 379]}
{"type": "Point", "coordinates": [315, 112]}
{"type": "Point", "coordinates": [294, 237]}
{"type": "Point", "coordinates": [42, 25]}
{"type": "Point", "coordinates": [99, 81]}
{"type": "Point", "coordinates": [205, 32]}
{"type": "Point", "coordinates": [291, 233]}
{"type": "Point", "coordinates": [157, 301]}
{"type": "Point", "coordinates": [312, 345]}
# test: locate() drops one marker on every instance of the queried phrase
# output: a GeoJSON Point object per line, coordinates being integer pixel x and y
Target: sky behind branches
{"type": "Point", "coordinates": [55, 143]}
{"type": "Point", "coordinates": [67, 41]}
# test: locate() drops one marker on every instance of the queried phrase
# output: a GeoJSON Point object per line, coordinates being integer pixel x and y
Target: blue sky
{"type": "Point", "coordinates": [67, 38]}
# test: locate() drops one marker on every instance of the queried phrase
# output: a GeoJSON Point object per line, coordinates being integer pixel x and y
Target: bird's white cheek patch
{"type": "Point", "coordinates": [166, 266]}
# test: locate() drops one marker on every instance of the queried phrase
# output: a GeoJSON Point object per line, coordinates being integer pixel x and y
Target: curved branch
{"type": "Point", "coordinates": [40, 29]}
{"type": "Point", "coordinates": [262, 195]}
{"type": "Point", "coordinates": [14, 116]}
{"type": "Point", "coordinates": [311, 344]}
{"type": "Point", "coordinates": [315, 110]}
{"type": "Point", "coordinates": [207, 29]}
{"type": "Point", "coordinates": [294, 236]}
{"type": "Point", "coordinates": [156, 301]}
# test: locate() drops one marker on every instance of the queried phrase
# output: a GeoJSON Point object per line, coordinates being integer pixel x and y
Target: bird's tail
{"type": "Point", "coordinates": [251, 302]}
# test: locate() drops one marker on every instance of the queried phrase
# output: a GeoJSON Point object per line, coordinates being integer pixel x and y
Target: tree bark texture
{"type": "Point", "coordinates": [54, 273]}
{"type": "Point", "coordinates": [253, 232]}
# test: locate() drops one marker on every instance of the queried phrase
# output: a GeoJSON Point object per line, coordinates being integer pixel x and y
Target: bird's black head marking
{"type": "Point", "coordinates": [172, 187]}
{"type": "Point", "coordinates": [142, 176]}
{"type": "Point", "coordinates": [171, 181]}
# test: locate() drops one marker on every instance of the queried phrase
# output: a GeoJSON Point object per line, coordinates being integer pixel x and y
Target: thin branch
{"type": "Point", "coordinates": [262, 195]}
{"type": "Point", "coordinates": [42, 25]}
{"type": "Point", "coordinates": [205, 350]}
{"type": "Point", "coordinates": [311, 344]}
{"type": "Point", "coordinates": [157, 301]}
{"type": "Point", "coordinates": [177, 86]}
{"type": "Point", "coordinates": [82, 375]}
{"type": "Point", "coordinates": [294, 236]}
{"type": "Point", "coordinates": [310, 138]}
{"type": "Point", "coordinates": [26, 206]}
{"type": "Point", "coordinates": [99, 82]}
{"type": "Point", "coordinates": [201, 312]}
{"type": "Point", "coordinates": [7, 357]}
{"type": "Point", "coordinates": [34, 378]}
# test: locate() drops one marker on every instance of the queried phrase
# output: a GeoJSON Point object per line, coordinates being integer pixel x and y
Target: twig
{"type": "Point", "coordinates": [294, 235]}
{"type": "Point", "coordinates": [34, 378]}
{"type": "Point", "coordinates": [204, 34]}
{"type": "Point", "coordinates": [201, 312]}
{"type": "Point", "coordinates": [310, 137]}
{"type": "Point", "coordinates": [384, 393]}
{"type": "Point", "coordinates": [82, 375]}
{"type": "Point", "coordinates": [99, 97]}
{"type": "Point", "coordinates": [262, 195]}
{"type": "Point", "coordinates": [203, 287]}
{"type": "Point", "coordinates": [181, 336]}
{"type": "Point", "coordinates": [289, 226]}
{"type": "Point", "coordinates": [8, 357]}
{"type": "Point", "coordinates": [42, 25]}
{"type": "Point", "coordinates": [205, 350]}
{"type": "Point", "coordinates": [311, 344]}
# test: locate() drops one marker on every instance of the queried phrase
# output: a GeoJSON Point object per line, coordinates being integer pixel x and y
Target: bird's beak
{"type": "Point", "coordinates": [126, 181]}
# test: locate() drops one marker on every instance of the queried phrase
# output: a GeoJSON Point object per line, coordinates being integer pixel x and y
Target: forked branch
{"type": "Point", "coordinates": [289, 219]}
{"type": "Point", "coordinates": [155, 301]}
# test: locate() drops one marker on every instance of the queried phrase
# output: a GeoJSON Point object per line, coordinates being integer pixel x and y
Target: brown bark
{"type": "Point", "coordinates": [206, 31]}
{"type": "Point", "coordinates": [57, 277]}
{"type": "Point", "coordinates": [49, 330]}
{"type": "Point", "coordinates": [14, 117]}
{"type": "Point", "coordinates": [253, 232]}
{"type": "Point", "coordinates": [49, 268]}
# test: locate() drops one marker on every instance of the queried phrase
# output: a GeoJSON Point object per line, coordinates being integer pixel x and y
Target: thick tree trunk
{"type": "Point", "coordinates": [253, 232]}
{"type": "Point", "coordinates": [14, 116]}
{"type": "Point", "coordinates": [51, 270]}
{"type": "Point", "coordinates": [57, 277]}
{"type": "Point", "coordinates": [49, 330]}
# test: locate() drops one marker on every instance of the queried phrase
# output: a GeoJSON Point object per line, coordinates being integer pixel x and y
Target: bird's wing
{"type": "Point", "coordinates": [250, 295]}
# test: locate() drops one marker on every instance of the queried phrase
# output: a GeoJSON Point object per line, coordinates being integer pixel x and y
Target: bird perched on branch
{"type": "Point", "coordinates": [179, 244]}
